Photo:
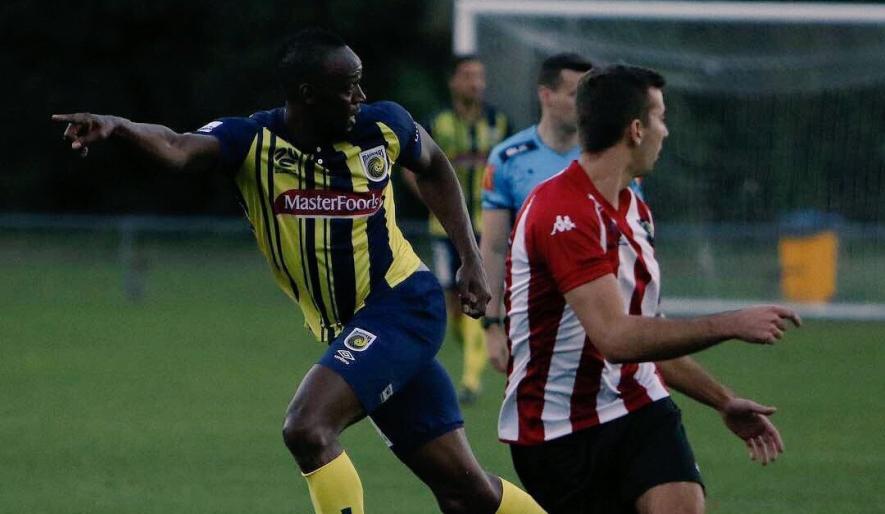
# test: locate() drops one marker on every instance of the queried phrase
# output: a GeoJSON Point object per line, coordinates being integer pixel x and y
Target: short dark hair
{"type": "Point", "coordinates": [303, 56]}
{"type": "Point", "coordinates": [609, 99]}
{"type": "Point", "coordinates": [458, 60]}
{"type": "Point", "coordinates": [550, 74]}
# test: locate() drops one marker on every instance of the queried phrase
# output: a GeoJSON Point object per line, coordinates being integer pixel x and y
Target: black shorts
{"type": "Point", "coordinates": [606, 468]}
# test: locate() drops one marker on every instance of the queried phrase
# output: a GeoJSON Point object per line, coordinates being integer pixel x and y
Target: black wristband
{"type": "Point", "coordinates": [487, 322]}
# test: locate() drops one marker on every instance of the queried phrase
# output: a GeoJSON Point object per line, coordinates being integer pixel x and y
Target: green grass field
{"type": "Point", "coordinates": [174, 404]}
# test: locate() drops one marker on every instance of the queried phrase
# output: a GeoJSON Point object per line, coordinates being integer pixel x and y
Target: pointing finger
{"type": "Point", "coordinates": [789, 314]}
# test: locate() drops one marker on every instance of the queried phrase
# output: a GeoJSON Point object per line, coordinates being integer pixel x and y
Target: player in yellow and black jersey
{"type": "Point", "coordinates": [314, 179]}
{"type": "Point", "coordinates": [466, 131]}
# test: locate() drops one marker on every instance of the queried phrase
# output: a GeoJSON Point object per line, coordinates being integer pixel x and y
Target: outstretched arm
{"type": "Point", "coordinates": [625, 338]}
{"type": "Point", "coordinates": [746, 418]}
{"type": "Point", "coordinates": [184, 152]}
{"type": "Point", "coordinates": [442, 194]}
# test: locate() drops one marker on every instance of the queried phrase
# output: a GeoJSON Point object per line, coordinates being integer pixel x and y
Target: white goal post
{"type": "Point", "coordinates": [466, 11]}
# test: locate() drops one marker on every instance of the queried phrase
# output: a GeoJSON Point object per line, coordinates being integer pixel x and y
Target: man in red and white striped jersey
{"type": "Point", "coordinates": [587, 410]}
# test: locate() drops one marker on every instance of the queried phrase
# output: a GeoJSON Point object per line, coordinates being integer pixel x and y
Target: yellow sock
{"type": "Point", "coordinates": [516, 501]}
{"type": "Point", "coordinates": [336, 488]}
{"type": "Point", "coordinates": [475, 355]}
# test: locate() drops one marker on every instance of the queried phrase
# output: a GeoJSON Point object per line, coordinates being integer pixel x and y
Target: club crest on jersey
{"type": "Point", "coordinates": [359, 340]}
{"type": "Point", "coordinates": [375, 163]}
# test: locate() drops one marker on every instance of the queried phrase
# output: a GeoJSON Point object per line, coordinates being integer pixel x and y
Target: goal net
{"type": "Point", "coordinates": [771, 186]}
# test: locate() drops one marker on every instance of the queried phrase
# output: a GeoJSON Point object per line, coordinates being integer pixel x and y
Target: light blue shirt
{"type": "Point", "coordinates": [517, 165]}
{"type": "Point", "coordinates": [521, 162]}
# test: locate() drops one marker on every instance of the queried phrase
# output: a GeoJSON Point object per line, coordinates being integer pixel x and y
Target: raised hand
{"type": "Point", "coordinates": [473, 288]}
{"type": "Point", "coordinates": [764, 324]}
{"type": "Point", "coordinates": [749, 421]}
{"type": "Point", "coordinates": [84, 129]}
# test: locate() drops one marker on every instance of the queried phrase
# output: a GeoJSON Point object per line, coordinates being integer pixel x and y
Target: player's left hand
{"type": "Point", "coordinates": [473, 288]}
{"type": "Point", "coordinates": [749, 421]}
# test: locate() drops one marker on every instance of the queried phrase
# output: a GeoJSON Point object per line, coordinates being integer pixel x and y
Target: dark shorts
{"type": "Point", "coordinates": [386, 353]}
{"type": "Point", "coordinates": [606, 468]}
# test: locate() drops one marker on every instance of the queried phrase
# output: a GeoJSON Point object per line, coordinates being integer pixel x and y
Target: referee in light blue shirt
{"type": "Point", "coordinates": [515, 167]}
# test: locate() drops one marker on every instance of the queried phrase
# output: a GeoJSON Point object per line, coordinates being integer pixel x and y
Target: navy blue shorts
{"type": "Point", "coordinates": [387, 354]}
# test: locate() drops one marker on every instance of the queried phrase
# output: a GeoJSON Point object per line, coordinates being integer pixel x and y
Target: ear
{"type": "Point", "coordinates": [635, 131]}
{"type": "Point", "coordinates": [306, 92]}
{"type": "Point", "coordinates": [543, 94]}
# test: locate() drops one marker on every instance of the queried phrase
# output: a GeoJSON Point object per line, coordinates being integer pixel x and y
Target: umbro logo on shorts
{"type": "Point", "coordinates": [344, 356]}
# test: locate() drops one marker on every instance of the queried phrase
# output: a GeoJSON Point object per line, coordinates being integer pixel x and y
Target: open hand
{"type": "Point", "coordinates": [749, 421]}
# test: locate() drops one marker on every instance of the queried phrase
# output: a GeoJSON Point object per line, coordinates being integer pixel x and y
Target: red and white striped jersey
{"type": "Point", "coordinates": [567, 234]}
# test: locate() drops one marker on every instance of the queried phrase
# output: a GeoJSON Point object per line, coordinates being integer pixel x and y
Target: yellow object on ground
{"type": "Point", "coordinates": [808, 266]}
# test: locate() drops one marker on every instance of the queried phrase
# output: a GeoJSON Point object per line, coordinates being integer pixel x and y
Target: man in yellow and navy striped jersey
{"type": "Point", "coordinates": [466, 131]}
{"type": "Point", "coordinates": [314, 179]}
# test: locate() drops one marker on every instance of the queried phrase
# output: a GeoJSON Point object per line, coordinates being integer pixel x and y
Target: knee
{"type": "Point", "coordinates": [306, 435]}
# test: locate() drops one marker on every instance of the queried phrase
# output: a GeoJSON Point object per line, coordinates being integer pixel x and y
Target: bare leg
{"type": "Point", "coordinates": [323, 406]}
{"type": "Point", "coordinates": [672, 498]}
{"type": "Point", "coordinates": [447, 465]}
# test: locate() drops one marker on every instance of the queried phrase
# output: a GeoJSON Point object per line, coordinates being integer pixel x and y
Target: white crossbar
{"type": "Point", "coordinates": [466, 11]}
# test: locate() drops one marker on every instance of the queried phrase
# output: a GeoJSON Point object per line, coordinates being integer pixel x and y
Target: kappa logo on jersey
{"type": "Point", "coordinates": [359, 340]}
{"type": "Point", "coordinates": [375, 163]}
{"type": "Point", "coordinates": [320, 203]}
{"type": "Point", "coordinates": [562, 224]}
{"type": "Point", "coordinates": [209, 126]}
{"type": "Point", "coordinates": [344, 356]}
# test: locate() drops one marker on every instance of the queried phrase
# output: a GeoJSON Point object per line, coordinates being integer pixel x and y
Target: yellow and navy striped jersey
{"type": "Point", "coordinates": [324, 217]}
{"type": "Point", "coordinates": [467, 145]}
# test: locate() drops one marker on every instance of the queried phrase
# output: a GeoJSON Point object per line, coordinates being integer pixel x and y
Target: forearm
{"type": "Point", "coordinates": [162, 145]}
{"type": "Point", "coordinates": [493, 249]}
{"type": "Point", "coordinates": [442, 194]}
{"type": "Point", "coordinates": [493, 262]}
{"type": "Point", "coordinates": [642, 339]}
{"type": "Point", "coordinates": [689, 378]}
